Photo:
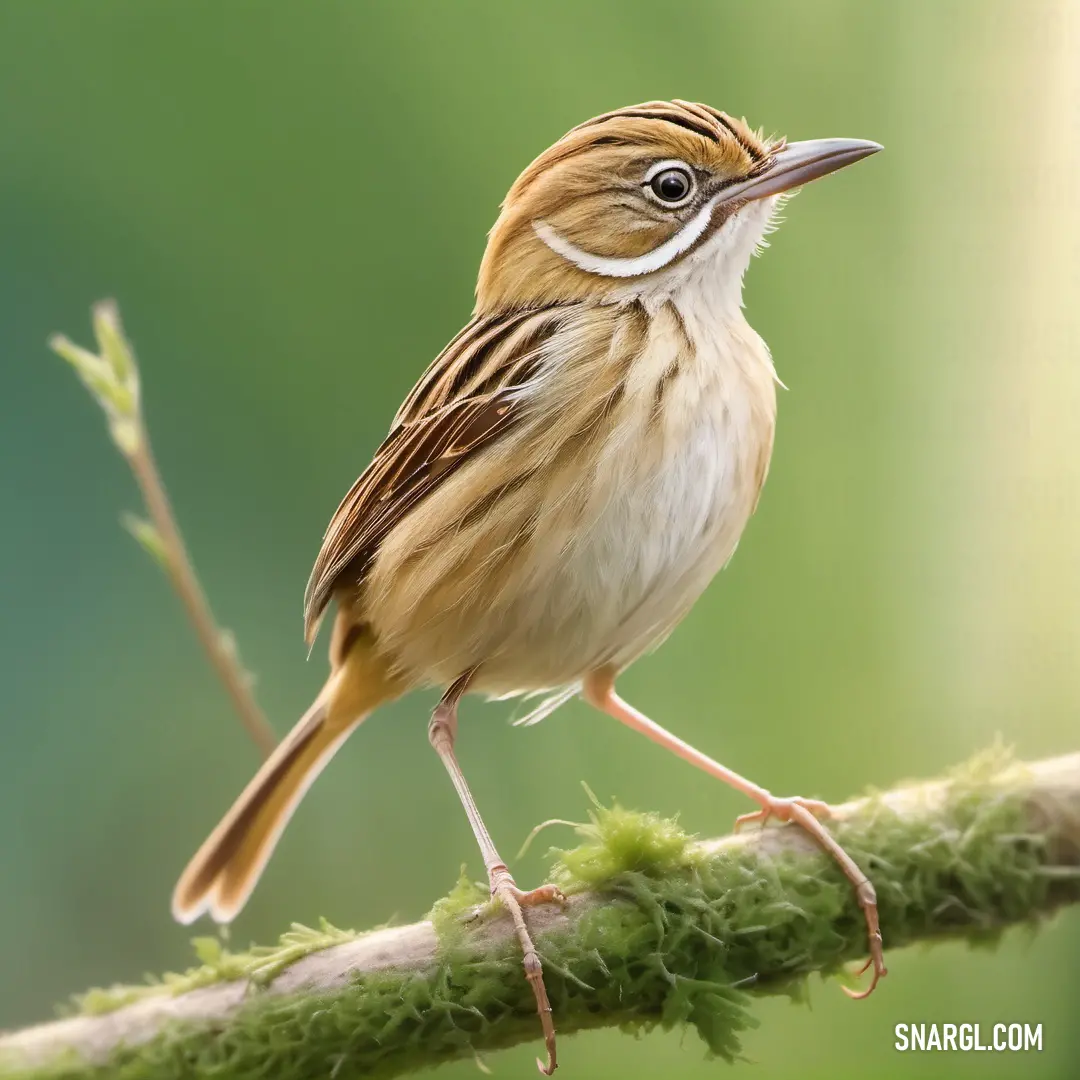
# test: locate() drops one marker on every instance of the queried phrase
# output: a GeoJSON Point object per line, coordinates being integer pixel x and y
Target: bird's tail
{"type": "Point", "coordinates": [220, 877]}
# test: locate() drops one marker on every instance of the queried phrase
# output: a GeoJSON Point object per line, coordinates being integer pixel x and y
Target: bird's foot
{"type": "Point", "coordinates": [807, 813]}
{"type": "Point", "coordinates": [514, 900]}
{"type": "Point", "coordinates": [784, 810]}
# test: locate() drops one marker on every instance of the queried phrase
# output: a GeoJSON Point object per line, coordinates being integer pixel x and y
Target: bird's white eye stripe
{"type": "Point", "coordinates": [653, 260]}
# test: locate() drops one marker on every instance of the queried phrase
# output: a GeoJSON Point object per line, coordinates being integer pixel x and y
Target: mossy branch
{"type": "Point", "coordinates": [112, 377]}
{"type": "Point", "coordinates": [659, 930]}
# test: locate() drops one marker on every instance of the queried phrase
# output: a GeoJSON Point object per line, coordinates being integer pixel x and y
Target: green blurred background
{"type": "Point", "coordinates": [290, 202]}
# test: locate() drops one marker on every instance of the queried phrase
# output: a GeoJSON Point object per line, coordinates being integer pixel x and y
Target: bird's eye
{"type": "Point", "coordinates": [672, 186]}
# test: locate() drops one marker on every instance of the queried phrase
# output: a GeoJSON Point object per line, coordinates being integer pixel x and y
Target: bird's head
{"type": "Point", "coordinates": [629, 196]}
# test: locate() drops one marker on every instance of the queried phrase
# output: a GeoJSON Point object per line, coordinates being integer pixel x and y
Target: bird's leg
{"type": "Point", "coordinates": [441, 732]}
{"type": "Point", "coordinates": [599, 691]}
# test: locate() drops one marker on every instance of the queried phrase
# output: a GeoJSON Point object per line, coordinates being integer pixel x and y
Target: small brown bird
{"type": "Point", "coordinates": [564, 480]}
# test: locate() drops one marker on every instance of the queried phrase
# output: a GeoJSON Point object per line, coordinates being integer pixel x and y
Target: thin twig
{"type": "Point", "coordinates": [112, 376]}
{"type": "Point", "coordinates": [218, 644]}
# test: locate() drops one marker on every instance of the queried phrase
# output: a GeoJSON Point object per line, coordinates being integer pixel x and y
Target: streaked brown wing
{"type": "Point", "coordinates": [464, 400]}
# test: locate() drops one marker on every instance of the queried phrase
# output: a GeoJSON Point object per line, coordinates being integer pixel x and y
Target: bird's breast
{"type": "Point", "coordinates": [586, 535]}
{"type": "Point", "coordinates": [676, 485]}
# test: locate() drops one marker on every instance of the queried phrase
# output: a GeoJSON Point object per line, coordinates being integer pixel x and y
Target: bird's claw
{"type": "Point", "coordinates": [783, 810]}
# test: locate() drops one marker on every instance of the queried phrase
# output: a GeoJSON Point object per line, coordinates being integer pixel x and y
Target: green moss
{"type": "Point", "coordinates": [260, 965]}
{"type": "Point", "coordinates": [678, 934]}
{"type": "Point", "coordinates": [619, 841]}
{"type": "Point", "coordinates": [450, 914]}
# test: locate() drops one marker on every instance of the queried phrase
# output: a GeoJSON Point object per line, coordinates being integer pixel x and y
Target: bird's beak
{"type": "Point", "coordinates": [798, 163]}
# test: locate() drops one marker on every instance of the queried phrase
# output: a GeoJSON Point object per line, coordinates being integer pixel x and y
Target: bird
{"type": "Point", "coordinates": [563, 481]}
